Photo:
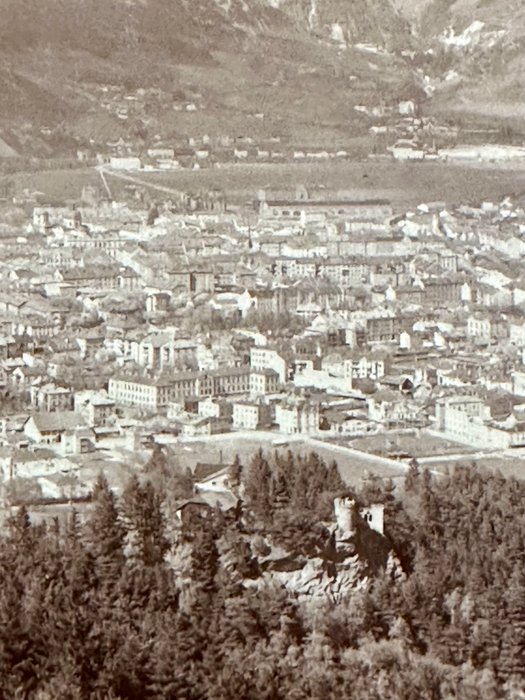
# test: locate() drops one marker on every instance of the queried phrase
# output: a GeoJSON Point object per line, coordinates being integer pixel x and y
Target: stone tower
{"type": "Point", "coordinates": [345, 517]}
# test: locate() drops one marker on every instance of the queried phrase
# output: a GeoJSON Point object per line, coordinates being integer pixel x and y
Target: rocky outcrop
{"type": "Point", "coordinates": [313, 580]}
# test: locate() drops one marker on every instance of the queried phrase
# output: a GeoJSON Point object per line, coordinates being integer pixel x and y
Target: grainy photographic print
{"type": "Point", "coordinates": [262, 350]}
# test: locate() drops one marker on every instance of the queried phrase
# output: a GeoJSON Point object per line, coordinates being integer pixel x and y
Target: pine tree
{"type": "Point", "coordinates": [334, 482]}
{"type": "Point", "coordinates": [412, 478]}
{"type": "Point", "coordinates": [205, 559]}
{"type": "Point", "coordinates": [237, 562]}
{"type": "Point", "coordinates": [142, 514]}
{"type": "Point", "coordinates": [235, 472]}
{"type": "Point", "coordinates": [257, 486]}
{"type": "Point", "coordinates": [104, 531]}
{"type": "Point", "coordinates": [279, 488]}
{"type": "Point", "coordinates": [512, 658]}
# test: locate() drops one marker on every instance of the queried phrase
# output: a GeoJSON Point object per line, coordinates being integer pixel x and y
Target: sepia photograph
{"type": "Point", "coordinates": [262, 350]}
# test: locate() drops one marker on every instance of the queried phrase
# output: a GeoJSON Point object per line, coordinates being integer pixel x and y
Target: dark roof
{"type": "Point", "coordinates": [195, 501]}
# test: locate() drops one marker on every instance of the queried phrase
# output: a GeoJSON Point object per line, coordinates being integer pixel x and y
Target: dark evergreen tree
{"type": "Point", "coordinates": [511, 662]}
{"type": "Point", "coordinates": [105, 532]}
{"type": "Point", "coordinates": [142, 513]}
{"type": "Point", "coordinates": [257, 486]}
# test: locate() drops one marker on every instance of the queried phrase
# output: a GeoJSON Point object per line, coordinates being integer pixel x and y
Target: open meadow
{"type": "Point", "coordinates": [404, 184]}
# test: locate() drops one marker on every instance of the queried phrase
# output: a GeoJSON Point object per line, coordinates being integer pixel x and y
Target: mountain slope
{"type": "Point", "coordinates": [375, 21]}
{"type": "Point", "coordinates": [301, 66]}
{"type": "Point", "coordinates": [479, 54]}
{"type": "Point", "coordinates": [291, 61]}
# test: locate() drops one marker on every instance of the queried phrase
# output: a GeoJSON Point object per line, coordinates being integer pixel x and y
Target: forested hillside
{"type": "Point", "coordinates": [128, 604]}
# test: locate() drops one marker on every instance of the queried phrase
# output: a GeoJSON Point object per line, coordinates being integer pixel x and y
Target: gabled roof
{"type": "Point", "coordinates": [205, 470]}
{"type": "Point", "coordinates": [225, 500]}
{"type": "Point", "coordinates": [58, 421]}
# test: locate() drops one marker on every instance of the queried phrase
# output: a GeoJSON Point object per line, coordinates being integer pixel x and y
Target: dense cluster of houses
{"type": "Point", "coordinates": [323, 316]}
{"type": "Point", "coordinates": [128, 153]}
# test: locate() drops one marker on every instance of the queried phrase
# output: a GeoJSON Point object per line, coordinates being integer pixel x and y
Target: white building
{"type": "Point", "coordinates": [265, 358]}
{"type": "Point", "coordinates": [518, 383]}
{"type": "Point", "coordinates": [246, 415]}
{"type": "Point", "coordinates": [294, 417]}
{"type": "Point", "coordinates": [140, 393]}
{"type": "Point", "coordinates": [125, 163]}
{"type": "Point", "coordinates": [479, 327]}
{"type": "Point", "coordinates": [264, 381]}
{"type": "Point", "coordinates": [517, 334]}
{"type": "Point", "coordinates": [364, 368]}
{"type": "Point", "coordinates": [308, 377]}
{"type": "Point", "coordinates": [467, 419]}
{"type": "Point", "coordinates": [160, 351]}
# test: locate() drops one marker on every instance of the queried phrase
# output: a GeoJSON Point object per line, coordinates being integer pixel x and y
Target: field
{"type": "Point", "coordinates": [423, 445]}
{"type": "Point", "coordinates": [55, 185]}
{"type": "Point", "coordinates": [508, 465]}
{"type": "Point", "coordinates": [353, 465]}
{"type": "Point", "coordinates": [405, 184]}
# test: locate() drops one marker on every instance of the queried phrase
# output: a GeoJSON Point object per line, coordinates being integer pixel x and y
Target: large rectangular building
{"type": "Point", "coordinates": [156, 394]}
{"type": "Point", "coordinates": [301, 210]}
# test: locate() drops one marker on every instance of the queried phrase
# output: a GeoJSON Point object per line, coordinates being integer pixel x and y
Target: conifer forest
{"type": "Point", "coordinates": [137, 597]}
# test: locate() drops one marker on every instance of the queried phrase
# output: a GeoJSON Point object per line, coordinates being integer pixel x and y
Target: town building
{"type": "Point", "coordinates": [294, 416]}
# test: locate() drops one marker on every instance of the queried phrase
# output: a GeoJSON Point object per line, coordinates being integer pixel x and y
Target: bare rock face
{"type": "Point", "coordinates": [374, 21]}
{"type": "Point", "coordinates": [335, 581]}
{"type": "Point", "coordinates": [313, 581]}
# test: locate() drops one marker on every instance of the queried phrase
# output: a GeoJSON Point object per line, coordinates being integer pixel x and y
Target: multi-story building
{"type": "Point", "coordinates": [444, 291]}
{"type": "Point", "coordinates": [103, 277]}
{"type": "Point", "coordinates": [479, 327]}
{"type": "Point", "coordinates": [214, 408]}
{"type": "Point", "coordinates": [387, 408]}
{"type": "Point", "coordinates": [303, 209]}
{"type": "Point", "coordinates": [229, 381]}
{"type": "Point", "coordinates": [267, 358]}
{"type": "Point", "coordinates": [345, 273]}
{"type": "Point", "coordinates": [160, 350]}
{"type": "Point", "coordinates": [250, 415]}
{"type": "Point", "coordinates": [409, 295]}
{"type": "Point", "coordinates": [297, 416]}
{"type": "Point", "coordinates": [386, 329]}
{"type": "Point", "coordinates": [109, 242]}
{"type": "Point", "coordinates": [96, 408]}
{"type": "Point", "coordinates": [295, 268]}
{"type": "Point", "coordinates": [264, 381]}
{"type": "Point", "coordinates": [51, 398]}
{"type": "Point", "coordinates": [468, 420]}
{"type": "Point", "coordinates": [518, 383]}
{"type": "Point", "coordinates": [141, 393]}
{"type": "Point", "coordinates": [158, 393]}
{"type": "Point", "coordinates": [517, 334]}
{"type": "Point", "coordinates": [60, 256]}
{"type": "Point", "coordinates": [364, 367]}
{"type": "Point", "coordinates": [193, 281]}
